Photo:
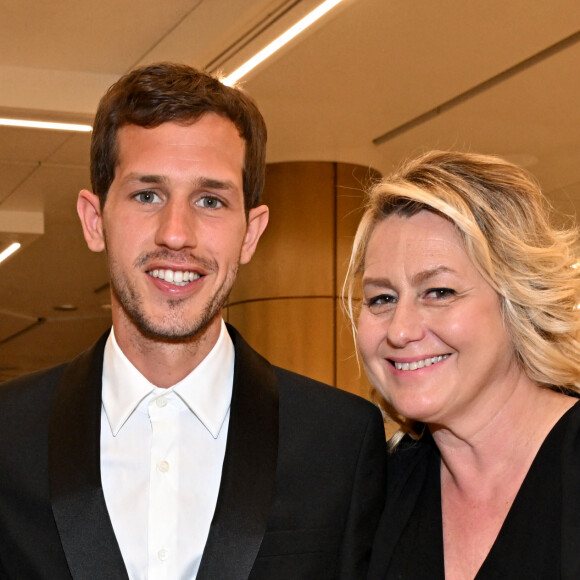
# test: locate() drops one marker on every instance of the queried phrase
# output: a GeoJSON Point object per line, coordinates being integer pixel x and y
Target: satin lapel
{"type": "Point", "coordinates": [77, 496]}
{"type": "Point", "coordinates": [249, 471]}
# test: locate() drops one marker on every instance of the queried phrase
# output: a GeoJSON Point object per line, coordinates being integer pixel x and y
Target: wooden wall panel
{"type": "Point", "coordinates": [351, 184]}
{"type": "Point", "coordinates": [295, 334]}
{"type": "Point", "coordinates": [286, 302]}
{"type": "Point", "coordinates": [349, 375]}
{"type": "Point", "coordinates": [295, 255]}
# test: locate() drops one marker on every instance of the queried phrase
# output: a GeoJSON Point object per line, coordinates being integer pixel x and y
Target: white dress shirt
{"type": "Point", "coordinates": [162, 452]}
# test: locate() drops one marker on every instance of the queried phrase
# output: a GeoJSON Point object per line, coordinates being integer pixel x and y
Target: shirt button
{"type": "Point", "coordinates": [163, 466]}
{"type": "Point", "coordinates": [161, 402]}
{"type": "Point", "coordinates": [162, 554]}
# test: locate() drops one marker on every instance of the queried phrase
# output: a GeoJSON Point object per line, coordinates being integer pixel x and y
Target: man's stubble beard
{"type": "Point", "coordinates": [173, 328]}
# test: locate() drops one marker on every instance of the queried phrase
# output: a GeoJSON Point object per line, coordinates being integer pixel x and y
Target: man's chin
{"type": "Point", "coordinates": [175, 332]}
{"type": "Point", "coordinates": [176, 322]}
{"type": "Point", "coordinates": [172, 336]}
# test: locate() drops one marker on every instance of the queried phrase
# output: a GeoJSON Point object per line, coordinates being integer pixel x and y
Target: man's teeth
{"type": "Point", "coordinates": [177, 277]}
{"type": "Point", "coordinates": [419, 364]}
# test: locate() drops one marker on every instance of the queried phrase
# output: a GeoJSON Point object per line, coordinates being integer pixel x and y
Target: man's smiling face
{"type": "Point", "coordinates": [174, 226]}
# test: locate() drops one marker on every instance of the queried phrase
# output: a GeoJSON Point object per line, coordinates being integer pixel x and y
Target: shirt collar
{"type": "Point", "coordinates": [207, 390]}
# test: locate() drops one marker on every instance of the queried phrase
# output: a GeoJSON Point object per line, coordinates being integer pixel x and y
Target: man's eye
{"type": "Point", "coordinates": [147, 197]}
{"type": "Point", "coordinates": [209, 202]}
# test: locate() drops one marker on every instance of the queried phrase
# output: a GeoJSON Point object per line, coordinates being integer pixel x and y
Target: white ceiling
{"type": "Point", "coordinates": [497, 76]}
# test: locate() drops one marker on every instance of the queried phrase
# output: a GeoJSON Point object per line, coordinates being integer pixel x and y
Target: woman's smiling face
{"type": "Point", "coordinates": [430, 331]}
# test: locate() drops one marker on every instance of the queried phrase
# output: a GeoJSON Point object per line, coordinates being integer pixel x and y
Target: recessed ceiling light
{"type": "Point", "coordinates": [45, 125]}
{"type": "Point", "coordinates": [65, 307]}
{"type": "Point", "coordinates": [9, 250]}
{"type": "Point", "coordinates": [283, 39]}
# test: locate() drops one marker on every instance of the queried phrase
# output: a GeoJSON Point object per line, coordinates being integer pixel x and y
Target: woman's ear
{"type": "Point", "coordinates": [90, 214]}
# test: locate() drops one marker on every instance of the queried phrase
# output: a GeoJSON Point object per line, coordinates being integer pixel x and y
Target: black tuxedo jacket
{"type": "Point", "coordinates": [302, 486]}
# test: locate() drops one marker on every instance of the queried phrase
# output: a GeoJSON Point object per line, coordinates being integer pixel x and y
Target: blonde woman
{"type": "Point", "coordinates": [468, 332]}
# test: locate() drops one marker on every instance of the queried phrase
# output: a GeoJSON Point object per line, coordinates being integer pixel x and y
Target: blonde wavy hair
{"type": "Point", "coordinates": [506, 225]}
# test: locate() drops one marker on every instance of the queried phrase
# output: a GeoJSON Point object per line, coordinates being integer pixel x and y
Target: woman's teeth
{"type": "Point", "coordinates": [419, 364]}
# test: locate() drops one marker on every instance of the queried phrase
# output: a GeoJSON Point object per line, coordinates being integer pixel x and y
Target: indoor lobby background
{"type": "Point", "coordinates": [369, 84]}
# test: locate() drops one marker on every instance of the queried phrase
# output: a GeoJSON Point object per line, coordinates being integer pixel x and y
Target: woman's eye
{"type": "Point", "coordinates": [147, 197]}
{"type": "Point", "coordinates": [209, 202]}
{"type": "Point", "coordinates": [380, 300]}
{"type": "Point", "coordinates": [440, 293]}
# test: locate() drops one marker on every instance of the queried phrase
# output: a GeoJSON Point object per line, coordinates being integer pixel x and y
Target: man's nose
{"type": "Point", "coordinates": [177, 226]}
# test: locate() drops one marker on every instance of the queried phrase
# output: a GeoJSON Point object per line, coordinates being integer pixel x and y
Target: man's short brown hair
{"type": "Point", "coordinates": [164, 92]}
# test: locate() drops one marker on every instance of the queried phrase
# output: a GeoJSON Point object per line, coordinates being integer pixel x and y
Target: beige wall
{"type": "Point", "coordinates": [286, 301]}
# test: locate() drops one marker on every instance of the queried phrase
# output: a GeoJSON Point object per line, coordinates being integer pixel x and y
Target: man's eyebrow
{"type": "Point", "coordinates": [202, 182]}
{"type": "Point", "coordinates": [145, 178]}
{"type": "Point", "coordinates": [209, 183]}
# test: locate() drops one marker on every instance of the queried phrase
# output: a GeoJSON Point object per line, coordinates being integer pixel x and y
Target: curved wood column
{"type": "Point", "coordinates": [286, 301]}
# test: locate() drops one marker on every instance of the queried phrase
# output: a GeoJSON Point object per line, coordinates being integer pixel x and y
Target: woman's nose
{"type": "Point", "coordinates": [405, 325]}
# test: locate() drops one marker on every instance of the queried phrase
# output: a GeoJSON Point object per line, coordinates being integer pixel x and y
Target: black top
{"type": "Point", "coordinates": [529, 542]}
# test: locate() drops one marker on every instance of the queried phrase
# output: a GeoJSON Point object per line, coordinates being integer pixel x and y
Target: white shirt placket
{"type": "Point", "coordinates": [164, 487]}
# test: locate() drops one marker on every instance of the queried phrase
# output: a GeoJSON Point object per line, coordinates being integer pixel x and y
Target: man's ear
{"type": "Point", "coordinates": [257, 222]}
{"type": "Point", "coordinates": [90, 214]}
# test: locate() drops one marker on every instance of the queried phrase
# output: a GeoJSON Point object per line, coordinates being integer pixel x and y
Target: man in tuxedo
{"type": "Point", "coordinates": [170, 449]}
